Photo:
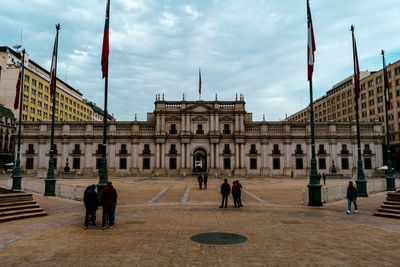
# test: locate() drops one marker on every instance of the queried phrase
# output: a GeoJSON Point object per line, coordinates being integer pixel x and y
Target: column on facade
{"type": "Point", "coordinates": [236, 155]}
{"type": "Point", "coordinates": [264, 155]}
{"type": "Point", "coordinates": [188, 122]}
{"type": "Point", "coordinates": [88, 155]}
{"type": "Point", "coordinates": [163, 129]}
{"type": "Point", "coordinates": [187, 156]}
{"type": "Point", "coordinates": [212, 155]}
{"type": "Point", "coordinates": [183, 123]}
{"type": "Point", "coordinates": [134, 155]}
{"type": "Point", "coordinates": [163, 155]}
{"type": "Point", "coordinates": [157, 156]}
{"type": "Point", "coordinates": [64, 156]}
{"type": "Point", "coordinates": [217, 122]}
{"type": "Point", "coordinates": [242, 152]}
{"type": "Point", "coordinates": [182, 155]}
{"type": "Point", "coordinates": [241, 122]}
{"type": "Point", "coordinates": [158, 124]}
{"type": "Point", "coordinates": [112, 159]}
{"type": "Point", "coordinates": [212, 123]}
{"type": "Point", "coordinates": [236, 122]}
{"type": "Point", "coordinates": [217, 159]}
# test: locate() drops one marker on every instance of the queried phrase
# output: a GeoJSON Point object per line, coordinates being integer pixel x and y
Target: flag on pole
{"type": "Point", "coordinates": [356, 68]}
{"type": "Point", "coordinates": [53, 68]}
{"type": "Point", "coordinates": [199, 82]}
{"type": "Point", "coordinates": [311, 44]}
{"type": "Point", "coordinates": [18, 89]}
{"type": "Point", "coordinates": [386, 83]}
{"type": "Point", "coordinates": [106, 48]}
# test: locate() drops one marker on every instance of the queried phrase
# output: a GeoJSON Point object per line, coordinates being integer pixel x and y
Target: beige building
{"type": "Point", "coordinates": [37, 103]}
{"type": "Point", "coordinates": [338, 103]}
{"type": "Point", "coordinates": [218, 137]}
{"type": "Point", "coordinates": [7, 138]}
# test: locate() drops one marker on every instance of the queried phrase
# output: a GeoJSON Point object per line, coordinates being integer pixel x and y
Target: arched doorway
{"type": "Point", "coordinates": [199, 160]}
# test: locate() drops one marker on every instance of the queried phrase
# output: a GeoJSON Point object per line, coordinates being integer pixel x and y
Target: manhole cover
{"type": "Point", "coordinates": [218, 238]}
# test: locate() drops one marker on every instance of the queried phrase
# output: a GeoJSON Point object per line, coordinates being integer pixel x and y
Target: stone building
{"type": "Point", "coordinates": [182, 137]}
{"type": "Point", "coordinates": [7, 138]}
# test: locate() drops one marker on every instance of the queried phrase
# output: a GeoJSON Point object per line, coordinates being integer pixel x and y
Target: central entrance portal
{"type": "Point", "coordinates": [199, 160]}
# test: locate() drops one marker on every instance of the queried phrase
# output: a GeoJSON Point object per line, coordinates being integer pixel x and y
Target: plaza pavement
{"type": "Point", "coordinates": [156, 218]}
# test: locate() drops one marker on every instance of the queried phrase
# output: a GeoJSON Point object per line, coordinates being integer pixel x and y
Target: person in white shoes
{"type": "Point", "coordinates": [351, 198]}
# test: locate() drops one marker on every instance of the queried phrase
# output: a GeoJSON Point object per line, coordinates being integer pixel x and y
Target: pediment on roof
{"type": "Point", "coordinates": [199, 118]}
{"type": "Point", "coordinates": [226, 118]}
{"type": "Point", "coordinates": [201, 107]}
{"type": "Point", "coordinates": [173, 118]}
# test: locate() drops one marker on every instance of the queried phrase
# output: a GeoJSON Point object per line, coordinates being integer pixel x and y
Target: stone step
{"type": "Point", "coordinates": [8, 204]}
{"type": "Point", "coordinates": [22, 216]}
{"type": "Point", "coordinates": [15, 197]}
{"type": "Point", "coordinates": [389, 210]}
{"type": "Point", "coordinates": [387, 214]}
{"type": "Point", "coordinates": [390, 206]}
{"type": "Point", "coordinates": [14, 212]}
{"type": "Point", "coordinates": [19, 207]}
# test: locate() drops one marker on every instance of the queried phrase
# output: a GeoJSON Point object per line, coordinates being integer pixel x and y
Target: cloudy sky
{"type": "Point", "coordinates": [254, 47]}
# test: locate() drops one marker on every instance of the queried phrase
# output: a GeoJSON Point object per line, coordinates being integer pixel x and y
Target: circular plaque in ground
{"type": "Point", "coordinates": [219, 238]}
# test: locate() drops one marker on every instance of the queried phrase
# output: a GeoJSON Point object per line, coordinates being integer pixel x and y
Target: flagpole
{"type": "Point", "coordinates": [103, 174]}
{"type": "Point", "coordinates": [50, 181]}
{"type": "Point", "coordinates": [16, 182]}
{"type": "Point", "coordinates": [361, 181]}
{"type": "Point", "coordinates": [390, 182]}
{"type": "Point", "coordinates": [314, 186]}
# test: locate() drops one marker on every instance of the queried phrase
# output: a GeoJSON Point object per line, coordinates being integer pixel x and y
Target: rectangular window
{"type": "Point", "coordinates": [227, 163]}
{"type": "Point", "coordinates": [199, 129]}
{"type": "Point", "coordinates": [276, 163]}
{"type": "Point", "coordinates": [173, 129]}
{"type": "Point", "coordinates": [276, 149]}
{"type": "Point", "coordinates": [345, 163]}
{"type": "Point", "coordinates": [123, 149]}
{"type": "Point", "coordinates": [253, 149]}
{"type": "Point", "coordinates": [322, 163]}
{"type": "Point", "coordinates": [299, 163]}
{"type": "Point", "coordinates": [122, 163]}
{"type": "Point", "coordinates": [146, 149]}
{"type": "Point", "coordinates": [172, 163]}
{"type": "Point", "coordinates": [146, 163]}
{"type": "Point", "coordinates": [76, 163]}
{"type": "Point", "coordinates": [29, 163]}
{"type": "Point", "coordinates": [226, 129]}
{"type": "Point", "coordinates": [367, 164]}
{"type": "Point", "coordinates": [253, 163]}
{"type": "Point", "coordinates": [226, 149]}
{"type": "Point", "coordinates": [172, 149]}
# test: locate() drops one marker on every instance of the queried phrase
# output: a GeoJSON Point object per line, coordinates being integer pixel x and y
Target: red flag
{"type": "Point", "coordinates": [199, 82]}
{"type": "Point", "coordinates": [18, 90]}
{"type": "Point", "coordinates": [106, 49]}
{"type": "Point", "coordinates": [53, 68]}
{"type": "Point", "coordinates": [356, 68]}
{"type": "Point", "coordinates": [311, 44]}
{"type": "Point", "coordinates": [386, 83]}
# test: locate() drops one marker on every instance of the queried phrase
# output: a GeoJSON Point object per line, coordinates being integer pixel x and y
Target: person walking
{"type": "Point", "coordinates": [324, 177]}
{"type": "Point", "coordinates": [239, 193]}
{"type": "Point", "coordinates": [205, 181]}
{"type": "Point", "coordinates": [225, 191]}
{"type": "Point", "coordinates": [319, 177]}
{"type": "Point", "coordinates": [108, 199]}
{"type": "Point", "coordinates": [200, 179]}
{"type": "Point", "coordinates": [351, 197]}
{"type": "Point", "coordinates": [91, 205]}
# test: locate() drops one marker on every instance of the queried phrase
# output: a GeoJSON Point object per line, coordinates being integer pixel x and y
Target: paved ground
{"type": "Point", "coordinates": [156, 218]}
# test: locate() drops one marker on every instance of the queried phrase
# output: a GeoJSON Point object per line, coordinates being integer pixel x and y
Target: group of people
{"type": "Point", "coordinates": [202, 181]}
{"type": "Point", "coordinates": [323, 177]}
{"type": "Point", "coordinates": [236, 193]}
{"type": "Point", "coordinates": [108, 199]}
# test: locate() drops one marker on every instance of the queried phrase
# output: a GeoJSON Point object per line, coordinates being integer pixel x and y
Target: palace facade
{"type": "Point", "coordinates": [218, 137]}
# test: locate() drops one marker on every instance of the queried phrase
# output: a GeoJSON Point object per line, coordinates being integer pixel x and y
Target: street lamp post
{"type": "Point", "coordinates": [16, 182]}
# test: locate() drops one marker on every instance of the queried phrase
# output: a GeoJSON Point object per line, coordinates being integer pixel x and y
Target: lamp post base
{"type": "Point", "coordinates": [16, 183]}
{"type": "Point", "coordinates": [390, 184]}
{"type": "Point", "coordinates": [314, 195]}
{"type": "Point", "coordinates": [362, 188]}
{"type": "Point", "coordinates": [50, 187]}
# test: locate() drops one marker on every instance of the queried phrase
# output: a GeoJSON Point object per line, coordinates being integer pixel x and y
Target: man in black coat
{"type": "Point", "coordinates": [351, 197]}
{"type": "Point", "coordinates": [225, 191]}
{"type": "Point", "coordinates": [91, 205]}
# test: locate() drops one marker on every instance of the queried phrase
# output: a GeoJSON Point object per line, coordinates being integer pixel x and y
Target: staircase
{"type": "Point", "coordinates": [15, 206]}
{"type": "Point", "coordinates": [390, 207]}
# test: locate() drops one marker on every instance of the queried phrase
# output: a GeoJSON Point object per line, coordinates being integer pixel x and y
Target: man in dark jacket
{"type": "Point", "coordinates": [351, 197]}
{"type": "Point", "coordinates": [200, 180]}
{"type": "Point", "coordinates": [108, 199]}
{"type": "Point", "coordinates": [91, 205]}
{"type": "Point", "coordinates": [225, 191]}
